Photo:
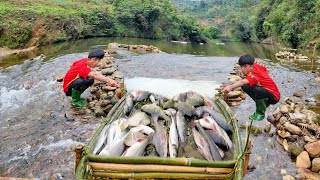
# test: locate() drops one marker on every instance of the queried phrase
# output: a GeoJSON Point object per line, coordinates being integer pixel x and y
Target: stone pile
{"type": "Point", "coordinates": [234, 97]}
{"type": "Point", "coordinates": [135, 48]}
{"type": "Point", "coordinates": [290, 56]}
{"type": "Point", "coordinates": [298, 131]}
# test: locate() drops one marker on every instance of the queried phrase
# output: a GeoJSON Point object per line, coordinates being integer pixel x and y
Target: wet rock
{"type": "Point", "coordinates": [98, 111]}
{"type": "Point", "coordinates": [284, 109]}
{"type": "Point", "coordinates": [304, 173]}
{"type": "Point", "coordinates": [287, 177]}
{"type": "Point", "coordinates": [104, 96]}
{"type": "Point", "coordinates": [309, 139]}
{"type": "Point", "coordinates": [313, 149]}
{"type": "Point", "coordinates": [315, 165]}
{"type": "Point", "coordinates": [283, 134]}
{"type": "Point", "coordinates": [297, 118]}
{"type": "Point", "coordinates": [118, 75]}
{"type": "Point", "coordinates": [292, 138]}
{"type": "Point", "coordinates": [104, 103]}
{"type": "Point", "coordinates": [267, 128]}
{"type": "Point", "coordinates": [283, 120]}
{"type": "Point", "coordinates": [297, 94]}
{"type": "Point", "coordinates": [108, 88]}
{"type": "Point", "coordinates": [296, 148]}
{"type": "Point", "coordinates": [292, 128]}
{"type": "Point", "coordinates": [108, 71]}
{"type": "Point", "coordinates": [303, 160]}
{"type": "Point", "coordinates": [107, 108]}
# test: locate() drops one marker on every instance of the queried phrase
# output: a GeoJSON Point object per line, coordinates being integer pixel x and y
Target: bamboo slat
{"type": "Point", "coordinates": [157, 168]}
{"type": "Point", "coordinates": [161, 161]}
{"type": "Point", "coordinates": [160, 175]}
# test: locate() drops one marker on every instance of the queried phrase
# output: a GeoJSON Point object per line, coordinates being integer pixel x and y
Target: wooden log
{"type": "Point", "coordinates": [166, 175]}
{"type": "Point", "coordinates": [157, 168]}
{"type": "Point", "coordinates": [161, 161]}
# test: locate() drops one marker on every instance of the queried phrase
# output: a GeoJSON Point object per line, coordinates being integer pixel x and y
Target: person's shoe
{"type": "Point", "coordinates": [76, 100]}
{"type": "Point", "coordinates": [261, 105]}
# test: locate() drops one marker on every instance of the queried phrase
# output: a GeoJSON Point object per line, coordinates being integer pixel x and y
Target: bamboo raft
{"type": "Point", "coordinates": [90, 166]}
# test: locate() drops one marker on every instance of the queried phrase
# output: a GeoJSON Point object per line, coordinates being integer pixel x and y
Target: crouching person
{"type": "Point", "coordinates": [257, 84]}
{"type": "Point", "coordinates": [80, 77]}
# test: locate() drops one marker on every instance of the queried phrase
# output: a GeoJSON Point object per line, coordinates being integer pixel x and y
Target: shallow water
{"type": "Point", "coordinates": [36, 136]}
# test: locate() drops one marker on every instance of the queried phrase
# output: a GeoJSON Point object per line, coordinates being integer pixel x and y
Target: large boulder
{"type": "Point", "coordinates": [313, 149]}
{"type": "Point", "coordinates": [303, 160]}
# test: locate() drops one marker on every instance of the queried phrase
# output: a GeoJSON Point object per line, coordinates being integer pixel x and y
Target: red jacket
{"type": "Point", "coordinates": [77, 69]}
{"type": "Point", "coordinates": [260, 77]}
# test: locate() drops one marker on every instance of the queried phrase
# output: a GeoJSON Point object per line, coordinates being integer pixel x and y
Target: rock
{"type": "Point", "coordinates": [292, 128]}
{"type": "Point", "coordinates": [99, 112]}
{"type": "Point", "coordinates": [287, 177]}
{"type": "Point", "coordinates": [108, 88]}
{"type": "Point", "coordinates": [315, 165]}
{"type": "Point", "coordinates": [307, 174]}
{"type": "Point", "coordinates": [283, 171]}
{"type": "Point", "coordinates": [296, 148]}
{"type": "Point", "coordinates": [313, 149]}
{"type": "Point", "coordinates": [297, 94]}
{"type": "Point", "coordinates": [292, 138]}
{"type": "Point", "coordinates": [271, 118]}
{"type": "Point", "coordinates": [104, 103]}
{"type": "Point", "coordinates": [233, 94]}
{"type": "Point", "coordinates": [309, 139]}
{"type": "Point", "coordinates": [283, 134]}
{"type": "Point", "coordinates": [108, 71]}
{"type": "Point", "coordinates": [283, 120]}
{"type": "Point", "coordinates": [267, 128]}
{"type": "Point", "coordinates": [28, 84]}
{"type": "Point", "coordinates": [297, 118]}
{"type": "Point", "coordinates": [303, 160]}
{"type": "Point", "coordinates": [310, 100]}
{"type": "Point", "coordinates": [284, 109]}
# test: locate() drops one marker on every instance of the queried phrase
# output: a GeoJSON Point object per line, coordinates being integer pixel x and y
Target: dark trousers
{"type": "Point", "coordinates": [258, 92]}
{"type": "Point", "coordinates": [80, 85]}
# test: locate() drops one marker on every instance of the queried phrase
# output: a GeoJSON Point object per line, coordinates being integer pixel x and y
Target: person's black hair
{"type": "Point", "coordinates": [98, 53]}
{"type": "Point", "coordinates": [246, 59]}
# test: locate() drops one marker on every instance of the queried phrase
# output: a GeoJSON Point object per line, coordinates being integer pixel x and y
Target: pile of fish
{"type": "Point", "coordinates": [166, 125]}
{"type": "Point", "coordinates": [234, 97]}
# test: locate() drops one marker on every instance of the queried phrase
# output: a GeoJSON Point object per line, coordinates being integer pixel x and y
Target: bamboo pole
{"type": "Point", "coordinates": [150, 175]}
{"type": "Point", "coordinates": [161, 161]}
{"type": "Point", "coordinates": [158, 168]}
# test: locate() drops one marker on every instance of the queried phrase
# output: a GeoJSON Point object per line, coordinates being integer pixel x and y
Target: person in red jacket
{"type": "Point", "coordinates": [257, 84]}
{"type": "Point", "coordinates": [80, 77]}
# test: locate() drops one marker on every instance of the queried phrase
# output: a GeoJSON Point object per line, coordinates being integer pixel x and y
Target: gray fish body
{"type": "Point", "coordinates": [212, 146]}
{"type": "Point", "coordinates": [101, 140]}
{"type": "Point", "coordinates": [137, 119]}
{"type": "Point", "coordinates": [173, 138]}
{"type": "Point", "coordinates": [160, 138]}
{"type": "Point", "coordinates": [140, 95]}
{"type": "Point", "coordinates": [195, 101]}
{"type": "Point", "coordinates": [202, 144]}
{"type": "Point", "coordinates": [186, 109]}
{"type": "Point", "coordinates": [115, 148]}
{"type": "Point", "coordinates": [153, 109]}
{"type": "Point", "coordinates": [181, 97]}
{"type": "Point", "coordinates": [169, 104]}
{"type": "Point", "coordinates": [181, 127]}
{"type": "Point", "coordinates": [219, 118]}
{"type": "Point", "coordinates": [210, 103]}
{"type": "Point", "coordinates": [128, 104]}
{"type": "Point", "coordinates": [199, 111]}
{"type": "Point", "coordinates": [137, 148]}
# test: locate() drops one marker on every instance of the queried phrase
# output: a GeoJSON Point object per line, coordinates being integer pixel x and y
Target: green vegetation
{"type": "Point", "coordinates": [295, 23]}
{"type": "Point", "coordinates": [34, 23]}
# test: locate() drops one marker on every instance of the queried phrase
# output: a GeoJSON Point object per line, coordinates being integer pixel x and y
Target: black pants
{"type": "Point", "coordinates": [258, 92]}
{"type": "Point", "coordinates": [80, 85]}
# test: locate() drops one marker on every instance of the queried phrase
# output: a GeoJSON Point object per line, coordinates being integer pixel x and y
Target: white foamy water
{"type": "Point", "coordinates": [171, 87]}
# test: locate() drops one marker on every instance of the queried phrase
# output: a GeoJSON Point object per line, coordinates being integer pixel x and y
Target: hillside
{"type": "Point", "coordinates": [27, 23]}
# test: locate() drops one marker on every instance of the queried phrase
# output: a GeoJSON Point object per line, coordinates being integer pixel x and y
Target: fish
{"type": "Point", "coordinates": [101, 139]}
{"type": "Point", "coordinates": [115, 148]}
{"type": "Point", "coordinates": [212, 146]}
{"type": "Point", "coordinates": [157, 99]}
{"type": "Point", "coordinates": [136, 119]}
{"type": "Point", "coordinates": [219, 118]}
{"type": "Point", "coordinates": [142, 128]}
{"type": "Point", "coordinates": [173, 138]}
{"type": "Point", "coordinates": [202, 145]}
{"type": "Point", "coordinates": [139, 95]}
{"type": "Point", "coordinates": [209, 102]}
{"type": "Point", "coordinates": [216, 133]}
{"type": "Point", "coordinates": [195, 101]}
{"type": "Point", "coordinates": [181, 127]}
{"type": "Point", "coordinates": [186, 109]}
{"type": "Point", "coordinates": [170, 104]}
{"type": "Point", "coordinates": [128, 104]}
{"type": "Point", "coordinates": [153, 109]}
{"type": "Point", "coordinates": [138, 148]}
{"type": "Point", "coordinates": [170, 112]}
{"type": "Point", "coordinates": [181, 97]}
{"type": "Point", "coordinates": [112, 131]}
{"type": "Point", "coordinates": [119, 132]}
{"type": "Point", "coordinates": [199, 111]}
{"type": "Point", "coordinates": [132, 137]}
{"type": "Point", "coordinates": [160, 138]}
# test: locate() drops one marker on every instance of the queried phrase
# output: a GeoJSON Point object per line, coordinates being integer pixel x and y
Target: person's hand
{"type": "Point", "coordinates": [113, 83]}
{"type": "Point", "coordinates": [227, 89]}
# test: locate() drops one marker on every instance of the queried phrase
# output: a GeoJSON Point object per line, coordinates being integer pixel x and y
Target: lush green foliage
{"type": "Point", "coordinates": [31, 22]}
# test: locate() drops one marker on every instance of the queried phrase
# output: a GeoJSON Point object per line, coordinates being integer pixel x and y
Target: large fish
{"type": "Point", "coordinates": [157, 99]}
{"type": "Point", "coordinates": [210, 103]}
{"type": "Point", "coordinates": [119, 132]}
{"type": "Point", "coordinates": [219, 118]}
{"type": "Point", "coordinates": [142, 128]}
{"type": "Point", "coordinates": [202, 144]}
{"type": "Point", "coordinates": [112, 131]}
{"type": "Point", "coordinates": [212, 146]}
{"type": "Point", "coordinates": [153, 109]}
{"type": "Point", "coordinates": [138, 148]}
{"type": "Point", "coordinates": [136, 119]}
{"type": "Point", "coordinates": [132, 137]}
{"type": "Point", "coordinates": [139, 95]}
{"type": "Point", "coordinates": [173, 138]}
{"type": "Point", "coordinates": [186, 108]}
{"type": "Point", "coordinates": [217, 134]}
{"type": "Point", "coordinates": [194, 99]}
{"type": "Point", "coordinates": [160, 137]}
{"type": "Point", "coordinates": [128, 104]}
{"type": "Point", "coordinates": [170, 104]}
{"type": "Point", "coordinates": [101, 139]}
{"type": "Point", "coordinates": [181, 126]}
{"type": "Point", "coordinates": [181, 97]}
{"type": "Point", "coordinates": [115, 148]}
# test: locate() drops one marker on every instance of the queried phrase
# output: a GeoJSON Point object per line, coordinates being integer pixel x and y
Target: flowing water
{"type": "Point", "coordinates": [36, 137]}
